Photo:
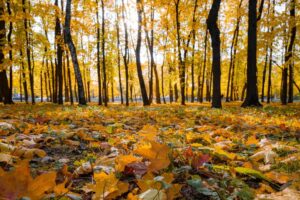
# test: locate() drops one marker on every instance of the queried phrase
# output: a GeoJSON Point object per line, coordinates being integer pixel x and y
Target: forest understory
{"type": "Point", "coordinates": [155, 152]}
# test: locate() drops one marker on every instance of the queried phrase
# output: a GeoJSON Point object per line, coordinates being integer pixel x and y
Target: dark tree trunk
{"type": "Point", "coordinates": [4, 89]}
{"type": "Point", "coordinates": [138, 56]}
{"type": "Point", "coordinates": [98, 57]}
{"type": "Point", "coordinates": [46, 86]}
{"type": "Point", "coordinates": [20, 82]}
{"type": "Point", "coordinates": [68, 40]}
{"type": "Point", "coordinates": [10, 52]}
{"type": "Point", "coordinates": [270, 71]}
{"type": "Point", "coordinates": [204, 67]}
{"type": "Point", "coordinates": [105, 97]}
{"type": "Point", "coordinates": [193, 52]}
{"type": "Point", "coordinates": [216, 65]}
{"type": "Point", "coordinates": [28, 53]}
{"type": "Point", "coordinates": [59, 72]}
{"type": "Point", "coordinates": [69, 78]}
{"type": "Point", "coordinates": [290, 51]}
{"type": "Point", "coordinates": [66, 88]}
{"type": "Point", "coordinates": [181, 66]}
{"type": "Point", "coordinates": [176, 92]}
{"type": "Point", "coordinates": [252, 92]}
{"type": "Point", "coordinates": [24, 77]}
{"type": "Point", "coordinates": [41, 85]}
{"type": "Point", "coordinates": [153, 67]}
{"type": "Point", "coordinates": [126, 56]}
{"type": "Point", "coordinates": [119, 58]}
{"type": "Point", "coordinates": [264, 75]}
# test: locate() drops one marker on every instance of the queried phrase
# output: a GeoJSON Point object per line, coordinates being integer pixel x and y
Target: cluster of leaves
{"type": "Point", "coordinates": [159, 152]}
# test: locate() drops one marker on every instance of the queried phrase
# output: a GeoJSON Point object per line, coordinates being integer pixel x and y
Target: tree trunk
{"type": "Point", "coordinates": [58, 41]}
{"type": "Point", "coordinates": [264, 75]}
{"type": "Point", "coordinates": [68, 40]}
{"type": "Point", "coordinates": [119, 58]}
{"type": "Point", "coordinates": [126, 56]}
{"type": "Point", "coordinates": [105, 97]}
{"type": "Point", "coordinates": [4, 89]}
{"type": "Point", "coordinates": [24, 77]}
{"type": "Point", "coordinates": [252, 92]}
{"type": "Point", "coordinates": [181, 66]}
{"type": "Point", "coordinates": [28, 53]}
{"type": "Point", "coordinates": [69, 78]}
{"type": "Point", "coordinates": [98, 57]}
{"type": "Point", "coordinates": [138, 56]}
{"type": "Point", "coordinates": [176, 92]}
{"type": "Point", "coordinates": [290, 50]}
{"type": "Point", "coordinates": [216, 65]}
{"type": "Point", "coordinates": [10, 53]}
{"type": "Point", "coordinates": [204, 66]}
{"type": "Point", "coordinates": [41, 85]}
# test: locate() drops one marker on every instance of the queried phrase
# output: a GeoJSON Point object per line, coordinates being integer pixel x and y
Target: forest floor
{"type": "Point", "coordinates": [158, 152]}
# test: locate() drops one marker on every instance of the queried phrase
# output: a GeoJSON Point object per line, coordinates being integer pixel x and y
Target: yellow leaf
{"type": "Point", "coordinates": [156, 153]}
{"type": "Point", "coordinates": [107, 186]}
{"type": "Point", "coordinates": [148, 132]}
{"type": "Point", "coordinates": [123, 160]}
{"type": "Point", "coordinates": [252, 140]}
{"type": "Point", "coordinates": [19, 183]}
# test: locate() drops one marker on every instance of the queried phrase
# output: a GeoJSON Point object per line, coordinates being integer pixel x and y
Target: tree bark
{"type": "Point", "coordinates": [28, 53]}
{"type": "Point", "coordinates": [58, 42]}
{"type": "Point", "coordinates": [204, 66]}
{"type": "Point", "coordinates": [72, 48]}
{"type": "Point", "coordinates": [10, 30]}
{"type": "Point", "coordinates": [105, 97]}
{"type": "Point", "coordinates": [138, 56]}
{"type": "Point", "coordinates": [252, 92]}
{"type": "Point", "coordinates": [126, 56]}
{"type": "Point", "coordinates": [216, 64]}
{"type": "Point", "coordinates": [98, 57]}
{"type": "Point", "coordinates": [119, 58]}
{"type": "Point", "coordinates": [291, 47]}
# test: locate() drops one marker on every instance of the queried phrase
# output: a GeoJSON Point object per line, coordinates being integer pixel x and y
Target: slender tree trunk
{"type": "Point", "coordinates": [204, 66]}
{"type": "Point", "coordinates": [69, 78]}
{"type": "Point", "coordinates": [103, 56]}
{"type": "Point", "coordinates": [41, 85]}
{"type": "Point", "coordinates": [138, 56]}
{"type": "Point", "coordinates": [289, 58]}
{"type": "Point", "coordinates": [4, 89]}
{"type": "Point", "coordinates": [181, 66]}
{"type": "Point", "coordinates": [31, 79]}
{"type": "Point", "coordinates": [58, 41]}
{"type": "Point", "coordinates": [98, 57]}
{"type": "Point", "coordinates": [10, 53]}
{"type": "Point", "coordinates": [68, 40]}
{"type": "Point", "coordinates": [119, 58]}
{"type": "Point", "coordinates": [216, 65]}
{"type": "Point", "coordinates": [20, 82]}
{"type": "Point", "coordinates": [66, 88]}
{"type": "Point", "coordinates": [46, 87]}
{"type": "Point", "coordinates": [24, 78]}
{"type": "Point", "coordinates": [176, 92]}
{"type": "Point", "coordinates": [264, 75]}
{"type": "Point", "coordinates": [270, 72]}
{"type": "Point", "coordinates": [126, 56]}
{"type": "Point", "coordinates": [252, 92]}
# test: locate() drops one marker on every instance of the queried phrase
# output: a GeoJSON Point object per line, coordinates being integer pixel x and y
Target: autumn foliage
{"type": "Point", "coordinates": [160, 152]}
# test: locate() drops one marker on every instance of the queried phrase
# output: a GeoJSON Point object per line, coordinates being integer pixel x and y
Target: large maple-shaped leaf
{"type": "Point", "coordinates": [156, 153]}
{"type": "Point", "coordinates": [107, 186]}
{"type": "Point", "coordinates": [18, 183]}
